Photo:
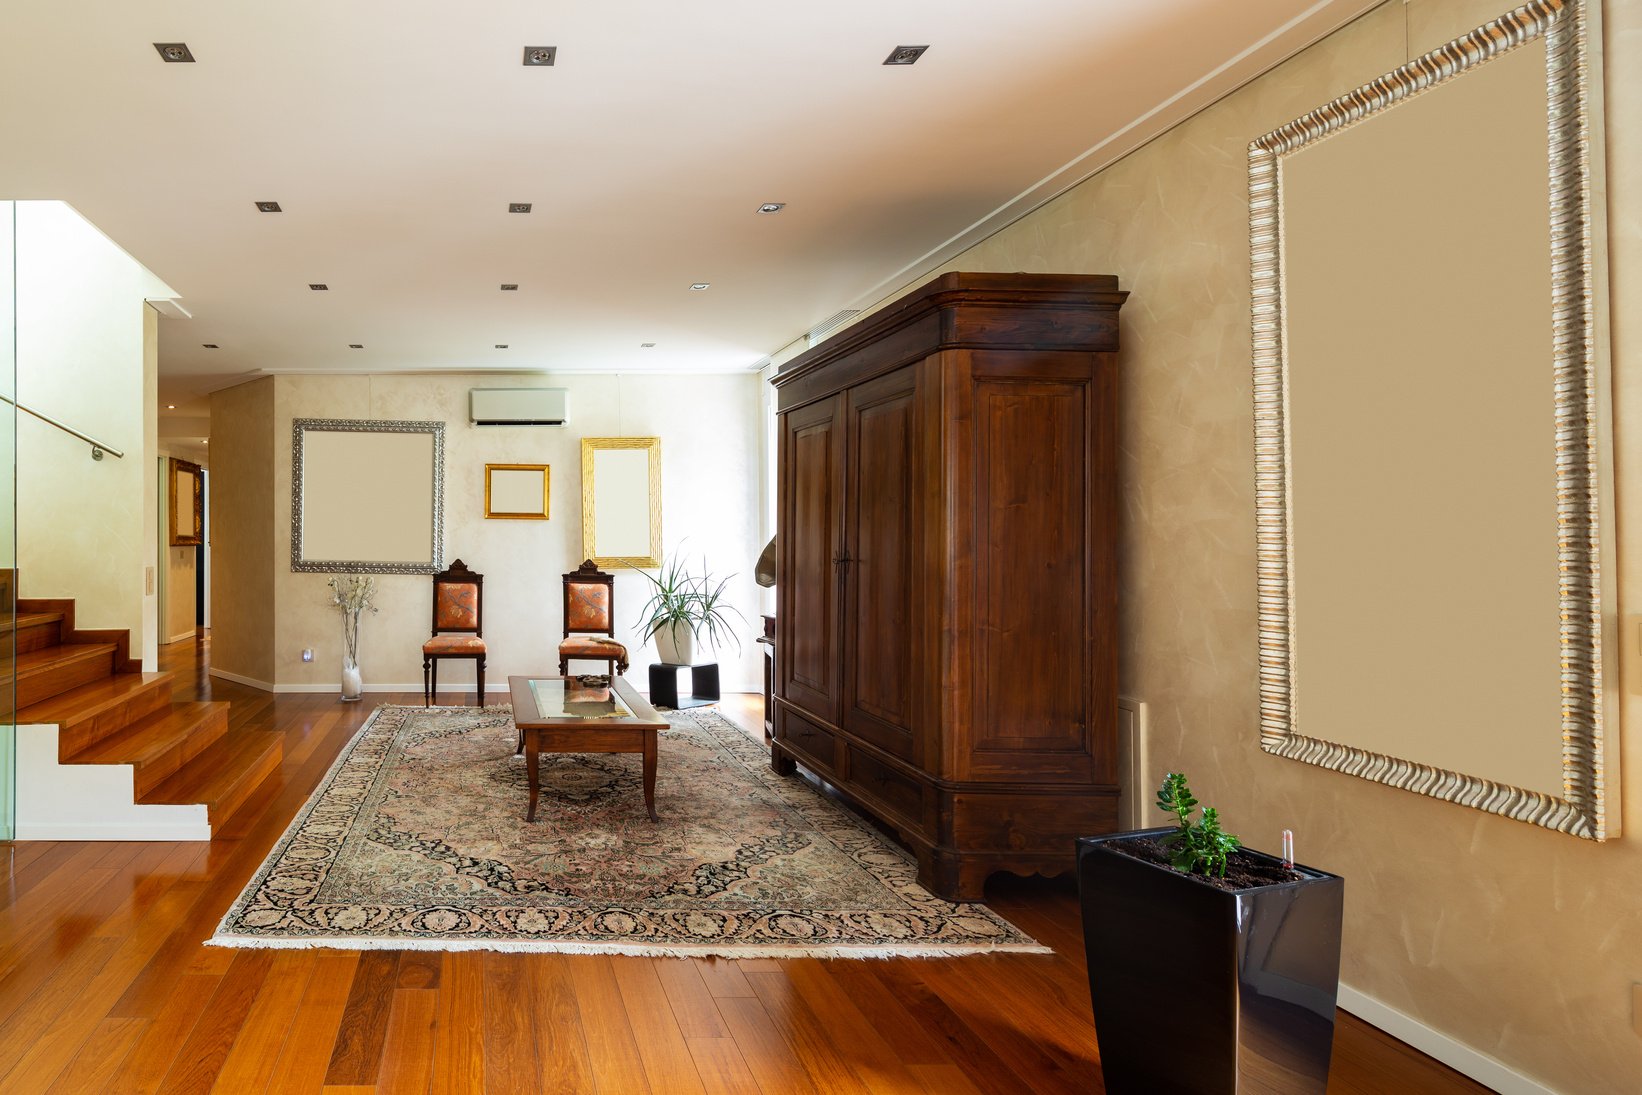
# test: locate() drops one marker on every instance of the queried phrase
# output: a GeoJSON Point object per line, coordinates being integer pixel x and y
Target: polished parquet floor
{"type": "Point", "coordinates": [104, 985]}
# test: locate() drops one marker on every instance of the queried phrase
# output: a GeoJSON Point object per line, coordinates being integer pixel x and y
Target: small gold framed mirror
{"type": "Point", "coordinates": [187, 495]}
{"type": "Point", "coordinates": [517, 492]}
{"type": "Point", "coordinates": [621, 501]}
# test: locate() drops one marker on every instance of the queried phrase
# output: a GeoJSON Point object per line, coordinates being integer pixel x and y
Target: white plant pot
{"type": "Point", "coordinates": [676, 645]}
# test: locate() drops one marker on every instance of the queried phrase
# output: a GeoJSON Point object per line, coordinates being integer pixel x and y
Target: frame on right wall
{"type": "Point", "coordinates": [1299, 698]}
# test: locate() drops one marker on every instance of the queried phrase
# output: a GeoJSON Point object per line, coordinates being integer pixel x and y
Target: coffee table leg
{"type": "Point", "coordinates": [650, 774]}
{"type": "Point", "coordinates": [535, 782]}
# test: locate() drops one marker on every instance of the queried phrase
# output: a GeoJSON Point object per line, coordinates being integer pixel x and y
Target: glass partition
{"type": "Point", "coordinates": [8, 517]}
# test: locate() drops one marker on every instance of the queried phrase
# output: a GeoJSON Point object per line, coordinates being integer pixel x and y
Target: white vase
{"type": "Point", "coordinates": [352, 685]}
{"type": "Point", "coordinates": [676, 644]}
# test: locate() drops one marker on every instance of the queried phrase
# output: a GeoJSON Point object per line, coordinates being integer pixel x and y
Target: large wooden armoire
{"type": "Point", "coordinates": [946, 601]}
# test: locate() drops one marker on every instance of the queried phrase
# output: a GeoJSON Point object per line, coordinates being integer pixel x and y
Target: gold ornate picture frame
{"type": "Point", "coordinates": [621, 501]}
{"type": "Point", "coordinates": [518, 492]}
{"type": "Point", "coordinates": [186, 489]}
{"type": "Point", "coordinates": [1576, 409]}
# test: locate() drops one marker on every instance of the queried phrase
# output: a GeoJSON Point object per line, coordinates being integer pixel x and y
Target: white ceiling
{"type": "Point", "coordinates": [395, 134]}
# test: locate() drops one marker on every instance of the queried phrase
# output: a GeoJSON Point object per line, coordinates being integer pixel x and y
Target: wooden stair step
{"type": "Point", "coordinates": [30, 631]}
{"type": "Point", "coordinates": [159, 743]}
{"type": "Point", "coordinates": [223, 775]}
{"type": "Point", "coordinates": [94, 711]}
{"type": "Point", "coordinates": [30, 619]}
{"type": "Point", "coordinates": [41, 674]}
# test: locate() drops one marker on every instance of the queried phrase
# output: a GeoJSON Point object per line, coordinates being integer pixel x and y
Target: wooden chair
{"type": "Point", "coordinates": [458, 607]}
{"type": "Point", "coordinates": [589, 620]}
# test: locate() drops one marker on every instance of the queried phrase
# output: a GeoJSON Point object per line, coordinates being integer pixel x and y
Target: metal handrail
{"type": "Point", "coordinates": [97, 447]}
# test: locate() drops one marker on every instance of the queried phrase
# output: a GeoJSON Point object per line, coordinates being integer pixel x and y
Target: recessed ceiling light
{"type": "Point", "coordinates": [518, 207]}
{"type": "Point", "coordinates": [318, 286]}
{"type": "Point", "coordinates": [269, 207]}
{"type": "Point", "coordinates": [509, 287]}
{"type": "Point", "coordinates": [356, 345]}
{"type": "Point", "coordinates": [905, 55]}
{"type": "Point", "coordinates": [501, 345]}
{"type": "Point", "coordinates": [540, 56]}
{"type": "Point", "coordinates": [175, 53]}
{"type": "Point", "coordinates": [170, 406]}
{"type": "Point", "coordinates": [647, 345]}
{"type": "Point", "coordinates": [700, 285]}
{"type": "Point", "coordinates": [772, 207]}
{"type": "Point", "coordinates": [210, 345]}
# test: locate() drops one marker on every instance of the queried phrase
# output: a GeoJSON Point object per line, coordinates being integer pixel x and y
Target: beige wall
{"type": "Point", "coordinates": [85, 356]}
{"type": "Point", "coordinates": [1520, 942]}
{"type": "Point", "coordinates": [243, 551]}
{"type": "Point", "coordinates": [710, 477]}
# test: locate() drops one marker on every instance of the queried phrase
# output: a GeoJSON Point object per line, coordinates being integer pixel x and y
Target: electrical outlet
{"type": "Point", "coordinates": [307, 655]}
{"type": "Point", "coordinates": [1636, 1007]}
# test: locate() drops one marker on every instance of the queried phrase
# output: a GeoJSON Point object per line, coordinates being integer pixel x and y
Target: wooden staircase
{"type": "Point", "coordinates": [109, 712]}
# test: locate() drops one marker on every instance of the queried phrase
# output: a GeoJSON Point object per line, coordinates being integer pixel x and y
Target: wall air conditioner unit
{"type": "Point", "coordinates": [517, 406]}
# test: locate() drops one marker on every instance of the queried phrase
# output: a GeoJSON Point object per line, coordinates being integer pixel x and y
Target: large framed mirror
{"type": "Point", "coordinates": [621, 501]}
{"type": "Point", "coordinates": [1430, 419]}
{"type": "Point", "coordinates": [367, 496]}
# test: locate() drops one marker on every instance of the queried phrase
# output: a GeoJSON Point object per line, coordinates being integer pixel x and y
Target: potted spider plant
{"type": "Point", "coordinates": [684, 607]}
{"type": "Point", "coordinates": [1212, 967]}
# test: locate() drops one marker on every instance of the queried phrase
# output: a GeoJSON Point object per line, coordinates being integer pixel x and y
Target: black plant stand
{"type": "Point", "coordinates": [664, 685]}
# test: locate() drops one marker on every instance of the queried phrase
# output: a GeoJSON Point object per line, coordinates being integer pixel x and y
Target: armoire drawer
{"type": "Point", "coordinates": [894, 790]}
{"type": "Point", "coordinates": [813, 745]}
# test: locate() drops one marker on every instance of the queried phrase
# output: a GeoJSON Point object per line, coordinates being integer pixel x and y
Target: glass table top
{"type": "Point", "coordinates": [558, 698]}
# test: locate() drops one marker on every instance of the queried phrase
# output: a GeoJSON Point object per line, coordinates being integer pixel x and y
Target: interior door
{"type": "Point", "coordinates": [881, 640]}
{"type": "Point", "coordinates": [811, 508]}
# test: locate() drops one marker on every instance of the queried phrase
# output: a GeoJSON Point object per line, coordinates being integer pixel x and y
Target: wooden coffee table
{"type": "Point", "coordinates": [561, 715]}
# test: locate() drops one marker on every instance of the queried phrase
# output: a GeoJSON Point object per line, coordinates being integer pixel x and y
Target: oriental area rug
{"type": "Point", "coordinates": [416, 839]}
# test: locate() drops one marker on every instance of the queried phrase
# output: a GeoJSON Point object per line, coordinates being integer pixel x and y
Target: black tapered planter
{"type": "Point", "coordinates": [1198, 990]}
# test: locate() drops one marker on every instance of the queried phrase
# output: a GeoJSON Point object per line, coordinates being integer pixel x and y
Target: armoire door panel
{"type": "Point", "coordinates": [1031, 576]}
{"type": "Point", "coordinates": [812, 471]}
{"type": "Point", "coordinates": [880, 639]}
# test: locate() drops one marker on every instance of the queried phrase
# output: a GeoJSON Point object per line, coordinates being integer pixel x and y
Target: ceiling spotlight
{"type": "Point", "coordinates": [210, 345]}
{"type": "Point", "coordinates": [772, 207]}
{"type": "Point", "coordinates": [700, 285]}
{"type": "Point", "coordinates": [356, 345]}
{"type": "Point", "coordinates": [318, 286]}
{"type": "Point", "coordinates": [518, 207]}
{"type": "Point", "coordinates": [501, 345]}
{"type": "Point", "coordinates": [905, 55]}
{"type": "Point", "coordinates": [540, 56]}
{"type": "Point", "coordinates": [269, 207]}
{"type": "Point", "coordinates": [647, 345]}
{"type": "Point", "coordinates": [509, 287]}
{"type": "Point", "coordinates": [174, 53]}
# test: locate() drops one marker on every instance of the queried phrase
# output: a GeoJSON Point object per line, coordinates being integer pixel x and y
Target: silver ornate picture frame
{"type": "Point", "coordinates": [367, 496]}
{"type": "Point", "coordinates": [1588, 806]}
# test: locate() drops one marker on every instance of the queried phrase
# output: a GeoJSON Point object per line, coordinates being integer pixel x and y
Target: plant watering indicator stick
{"type": "Point", "coordinates": [1288, 849]}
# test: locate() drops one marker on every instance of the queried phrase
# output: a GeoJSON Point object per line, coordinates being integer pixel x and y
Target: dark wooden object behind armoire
{"type": "Point", "coordinates": [947, 596]}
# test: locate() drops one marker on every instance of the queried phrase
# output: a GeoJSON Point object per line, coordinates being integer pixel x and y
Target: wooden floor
{"type": "Point", "coordinates": [104, 985]}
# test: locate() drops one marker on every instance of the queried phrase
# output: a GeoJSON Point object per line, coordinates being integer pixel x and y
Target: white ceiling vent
{"type": "Point", "coordinates": [518, 406]}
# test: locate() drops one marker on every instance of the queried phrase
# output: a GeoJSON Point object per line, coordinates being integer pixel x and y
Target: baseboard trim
{"type": "Point", "coordinates": [266, 686]}
{"type": "Point", "coordinates": [112, 831]}
{"type": "Point", "coordinates": [1445, 1048]}
{"type": "Point", "coordinates": [189, 634]}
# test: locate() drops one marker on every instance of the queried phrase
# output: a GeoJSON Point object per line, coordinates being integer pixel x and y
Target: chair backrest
{"type": "Point", "coordinates": [589, 601]}
{"type": "Point", "coordinates": [458, 600]}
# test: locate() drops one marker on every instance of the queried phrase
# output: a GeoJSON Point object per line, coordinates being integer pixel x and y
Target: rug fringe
{"type": "Point", "coordinates": [633, 950]}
